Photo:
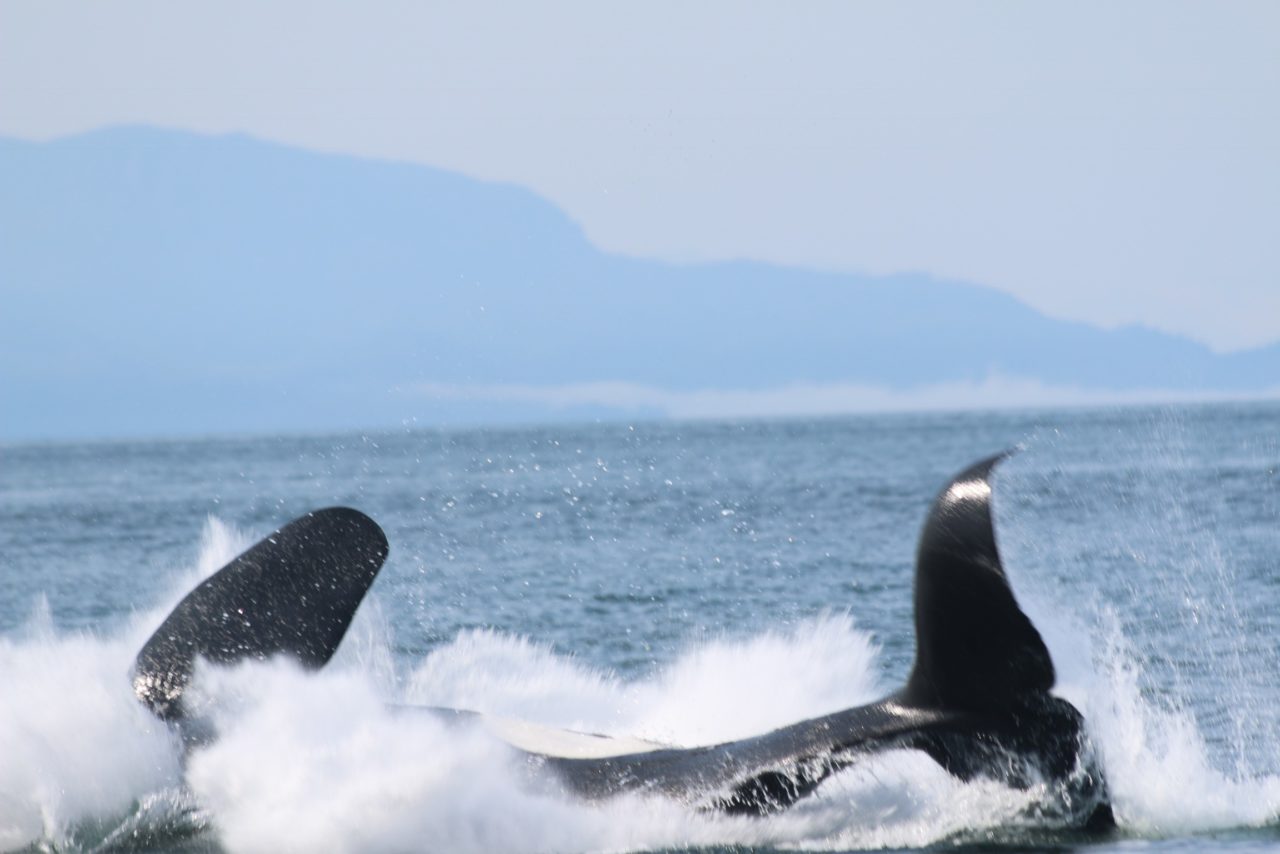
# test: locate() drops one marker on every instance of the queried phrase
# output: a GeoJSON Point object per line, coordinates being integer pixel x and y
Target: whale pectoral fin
{"type": "Point", "coordinates": [975, 648]}
{"type": "Point", "coordinates": [293, 593]}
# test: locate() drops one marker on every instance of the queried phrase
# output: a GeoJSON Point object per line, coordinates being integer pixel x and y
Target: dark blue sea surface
{"type": "Point", "coordinates": [683, 582]}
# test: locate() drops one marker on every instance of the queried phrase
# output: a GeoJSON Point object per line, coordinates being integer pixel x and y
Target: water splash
{"type": "Point", "coordinates": [77, 750]}
{"type": "Point", "coordinates": [1166, 643]}
{"type": "Point", "coordinates": [320, 761]}
{"type": "Point", "coordinates": [75, 745]}
{"type": "Point", "coordinates": [1163, 775]}
{"type": "Point", "coordinates": [717, 691]}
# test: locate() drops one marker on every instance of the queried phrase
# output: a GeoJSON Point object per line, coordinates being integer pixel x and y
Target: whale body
{"type": "Point", "coordinates": [977, 701]}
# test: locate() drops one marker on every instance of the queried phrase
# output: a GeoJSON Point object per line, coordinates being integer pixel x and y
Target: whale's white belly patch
{"type": "Point", "coordinates": [564, 743]}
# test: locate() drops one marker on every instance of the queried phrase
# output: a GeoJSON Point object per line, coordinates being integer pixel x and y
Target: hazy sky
{"type": "Point", "coordinates": [1113, 162]}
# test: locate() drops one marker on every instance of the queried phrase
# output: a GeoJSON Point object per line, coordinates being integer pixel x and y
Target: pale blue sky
{"type": "Point", "coordinates": [1108, 162]}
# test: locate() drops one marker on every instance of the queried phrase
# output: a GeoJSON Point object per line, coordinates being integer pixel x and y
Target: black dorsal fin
{"type": "Point", "coordinates": [975, 649]}
{"type": "Point", "coordinates": [294, 593]}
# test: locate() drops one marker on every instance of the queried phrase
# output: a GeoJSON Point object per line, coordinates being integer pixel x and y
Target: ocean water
{"type": "Point", "coordinates": [686, 582]}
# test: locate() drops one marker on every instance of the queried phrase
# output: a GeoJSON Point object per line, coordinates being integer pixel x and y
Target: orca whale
{"type": "Point", "coordinates": [977, 700]}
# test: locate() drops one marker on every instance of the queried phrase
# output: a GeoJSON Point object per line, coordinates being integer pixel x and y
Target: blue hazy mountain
{"type": "Point", "coordinates": [159, 282]}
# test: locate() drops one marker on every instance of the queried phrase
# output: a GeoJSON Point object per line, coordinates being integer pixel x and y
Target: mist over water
{"type": "Point", "coordinates": [679, 583]}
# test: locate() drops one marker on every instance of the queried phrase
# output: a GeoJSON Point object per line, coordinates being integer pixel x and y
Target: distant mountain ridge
{"type": "Point", "coordinates": [165, 282]}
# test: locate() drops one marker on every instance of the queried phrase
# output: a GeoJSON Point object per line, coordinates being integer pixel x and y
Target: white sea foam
{"type": "Point", "coordinates": [75, 745]}
{"type": "Point", "coordinates": [325, 761]}
{"type": "Point", "coordinates": [718, 690]}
